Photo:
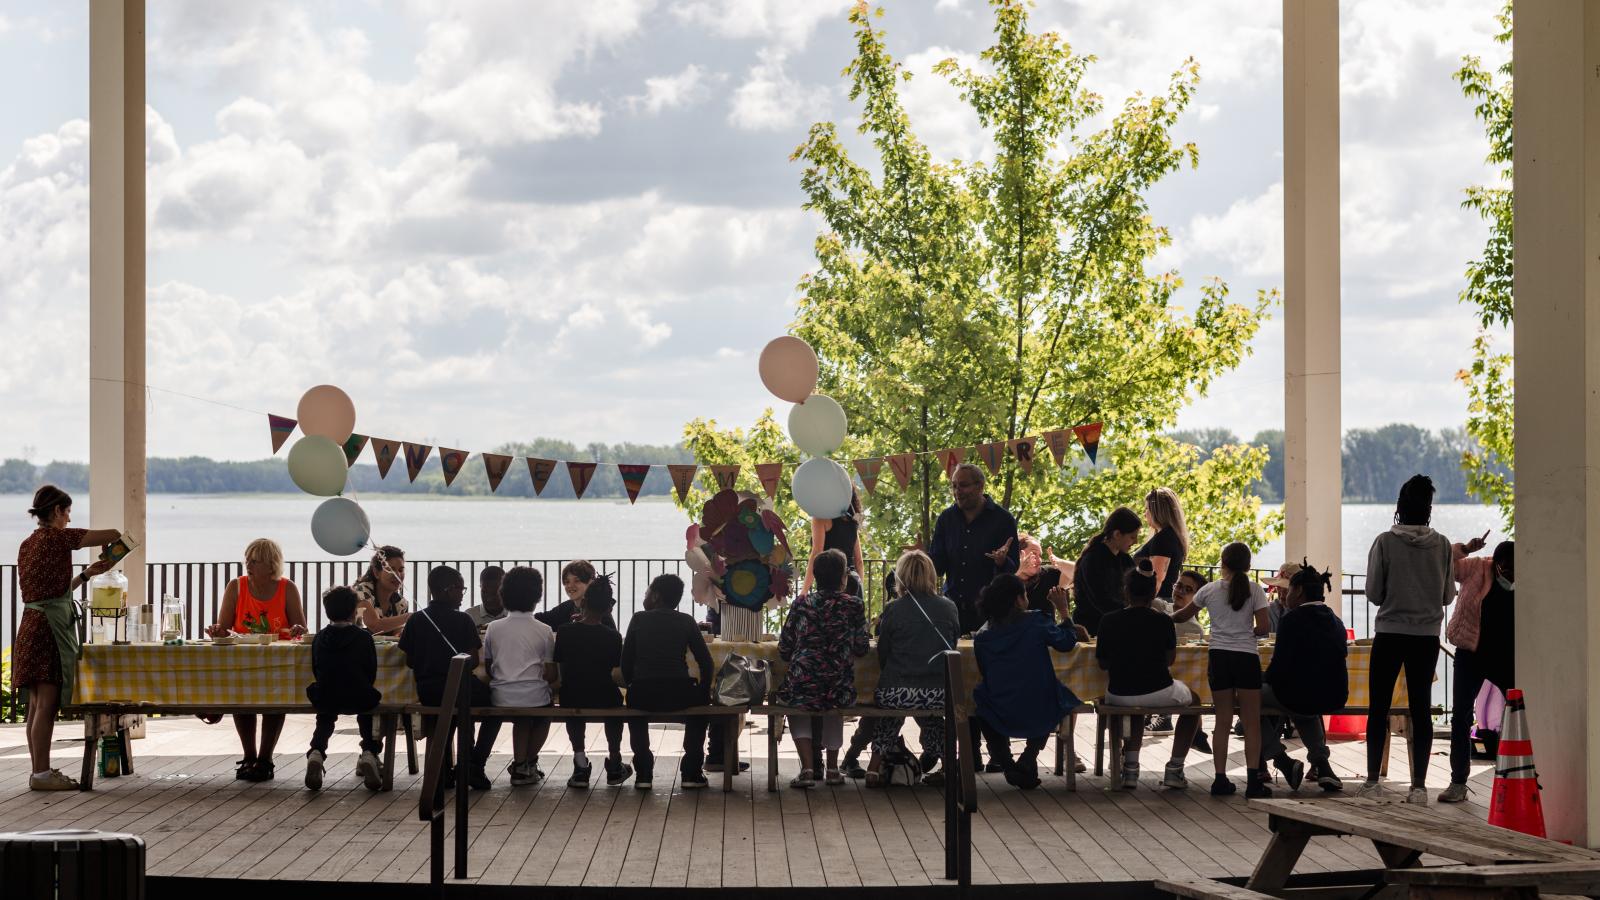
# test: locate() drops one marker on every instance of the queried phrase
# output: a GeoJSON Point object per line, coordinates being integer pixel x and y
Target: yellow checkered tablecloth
{"type": "Point", "coordinates": [204, 674]}
{"type": "Point", "coordinates": [1077, 669]}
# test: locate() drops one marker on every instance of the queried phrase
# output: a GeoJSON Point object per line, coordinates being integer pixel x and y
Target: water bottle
{"type": "Point", "coordinates": [171, 618]}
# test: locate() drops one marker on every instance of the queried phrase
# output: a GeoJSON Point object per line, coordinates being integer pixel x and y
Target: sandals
{"type": "Point", "coordinates": [256, 771]}
{"type": "Point", "coordinates": [874, 779]}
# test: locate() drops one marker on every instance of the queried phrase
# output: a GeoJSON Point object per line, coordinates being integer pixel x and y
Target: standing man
{"type": "Point", "coordinates": [973, 541]}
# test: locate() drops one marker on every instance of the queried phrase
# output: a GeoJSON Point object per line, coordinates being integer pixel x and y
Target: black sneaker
{"type": "Point", "coordinates": [1201, 742]}
{"type": "Point", "coordinates": [479, 780]}
{"type": "Point", "coordinates": [619, 775]}
{"type": "Point", "coordinates": [693, 782]}
{"type": "Point", "coordinates": [928, 760]}
{"type": "Point", "coordinates": [997, 765]}
{"type": "Point", "coordinates": [1293, 770]}
{"type": "Point", "coordinates": [717, 767]}
{"type": "Point", "coordinates": [1159, 724]}
{"type": "Point", "coordinates": [853, 770]}
{"type": "Point", "coordinates": [1222, 787]}
{"type": "Point", "coordinates": [1326, 779]}
{"type": "Point", "coordinates": [580, 776]}
{"type": "Point", "coordinates": [1256, 788]}
{"type": "Point", "coordinates": [241, 769]}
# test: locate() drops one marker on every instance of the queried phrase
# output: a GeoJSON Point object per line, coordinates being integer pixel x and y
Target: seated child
{"type": "Point", "coordinates": [1137, 646]}
{"type": "Point", "coordinates": [520, 653]}
{"type": "Point", "coordinates": [587, 652]}
{"type": "Point", "coordinates": [344, 662]}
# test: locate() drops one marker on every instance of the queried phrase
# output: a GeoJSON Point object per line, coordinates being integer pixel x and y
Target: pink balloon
{"type": "Point", "coordinates": [789, 368]}
{"type": "Point", "coordinates": [327, 411]}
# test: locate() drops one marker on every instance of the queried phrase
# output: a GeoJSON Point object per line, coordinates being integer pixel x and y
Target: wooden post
{"type": "Point", "coordinates": [117, 276]}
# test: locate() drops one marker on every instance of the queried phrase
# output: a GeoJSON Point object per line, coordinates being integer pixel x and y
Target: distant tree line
{"type": "Point", "coordinates": [1376, 462]}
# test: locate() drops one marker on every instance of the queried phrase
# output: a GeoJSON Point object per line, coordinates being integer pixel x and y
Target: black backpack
{"type": "Point", "coordinates": [902, 763]}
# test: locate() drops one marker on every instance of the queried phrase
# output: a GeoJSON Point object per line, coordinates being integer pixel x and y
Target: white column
{"type": "Point", "coordinates": [1312, 472]}
{"type": "Point", "coordinates": [1557, 347]}
{"type": "Point", "coordinates": [116, 275]}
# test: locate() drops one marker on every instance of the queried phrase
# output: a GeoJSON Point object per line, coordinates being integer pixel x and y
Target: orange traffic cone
{"type": "Point", "coordinates": [1515, 804]}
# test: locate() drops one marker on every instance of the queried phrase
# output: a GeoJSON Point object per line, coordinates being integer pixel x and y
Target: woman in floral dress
{"type": "Point", "coordinates": [823, 634]}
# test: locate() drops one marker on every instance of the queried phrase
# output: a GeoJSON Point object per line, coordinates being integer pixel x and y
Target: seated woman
{"type": "Point", "coordinates": [1137, 646]}
{"type": "Point", "coordinates": [381, 603]}
{"type": "Point", "coordinates": [913, 632]}
{"type": "Point", "coordinates": [262, 595]}
{"type": "Point", "coordinates": [823, 633]}
{"type": "Point", "coordinates": [1019, 695]}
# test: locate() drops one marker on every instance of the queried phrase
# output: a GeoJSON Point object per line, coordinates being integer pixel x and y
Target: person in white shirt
{"type": "Point", "coordinates": [1238, 609]}
{"type": "Point", "coordinates": [519, 651]}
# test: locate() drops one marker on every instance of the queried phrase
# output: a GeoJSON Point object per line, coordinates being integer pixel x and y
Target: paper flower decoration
{"type": "Point", "coordinates": [739, 544]}
{"type": "Point", "coordinates": [748, 584]}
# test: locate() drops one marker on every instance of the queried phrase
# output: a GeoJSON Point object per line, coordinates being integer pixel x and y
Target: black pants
{"type": "Point", "coordinates": [1417, 655]}
{"type": "Point", "coordinates": [431, 694]}
{"type": "Point", "coordinates": [1470, 674]}
{"type": "Point", "coordinates": [1030, 750]}
{"type": "Point", "coordinates": [578, 734]}
{"type": "Point", "coordinates": [668, 696]}
{"type": "Point", "coordinates": [370, 742]}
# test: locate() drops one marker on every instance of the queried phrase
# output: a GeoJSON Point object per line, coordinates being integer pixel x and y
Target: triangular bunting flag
{"type": "Point", "coordinates": [1089, 437]}
{"type": "Point", "coordinates": [1022, 449]}
{"type": "Point", "coordinates": [992, 455]}
{"type": "Point", "coordinates": [633, 475]}
{"type": "Point", "coordinates": [868, 469]}
{"type": "Point", "coordinates": [1058, 441]}
{"type": "Point", "coordinates": [682, 478]}
{"type": "Point", "coordinates": [416, 455]}
{"type": "Point", "coordinates": [281, 429]}
{"type": "Point", "coordinates": [452, 461]}
{"type": "Point", "coordinates": [901, 465]}
{"type": "Point", "coordinates": [581, 474]}
{"type": "Point", "coordinates": [771, 475]}
{"type": "Point", "coordinates": [353, 448]}
{"type": "Point", "coordinates": [540, 470]}
{"type": "Point", "coordinates": [726, 476]}
{"type": "Point", "coordinates": [495, 465]}
{"type": "Point", "coordinates": [950, 458]}
{"type": "Point", "coordinates": [385, 452]}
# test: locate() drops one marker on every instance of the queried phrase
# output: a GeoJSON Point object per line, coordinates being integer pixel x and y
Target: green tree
{"type": "Point", "coordinates": [1490, 394]}
{"type": "Point", "coordinates": [960, 303]}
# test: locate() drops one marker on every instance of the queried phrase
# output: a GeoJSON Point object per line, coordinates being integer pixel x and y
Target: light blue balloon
{"type": "Point", "coordinates": [821, 487]}
{"type": "Point", "coordinates": [340, 527]}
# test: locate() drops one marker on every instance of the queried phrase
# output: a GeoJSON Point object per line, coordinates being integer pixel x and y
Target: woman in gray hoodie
{"type": "Point", "coordinates": [1409, 580]}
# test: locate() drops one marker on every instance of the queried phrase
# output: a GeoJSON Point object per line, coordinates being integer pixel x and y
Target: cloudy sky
{"type": "Point", "coordinates": [491, 221]}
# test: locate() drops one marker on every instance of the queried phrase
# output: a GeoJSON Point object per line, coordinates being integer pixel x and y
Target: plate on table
{"type": "Point", "coordinates": [226, 640]}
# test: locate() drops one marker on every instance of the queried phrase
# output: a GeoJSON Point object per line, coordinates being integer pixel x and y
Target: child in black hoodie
{"type": "Point", "coordinates": [344, 662]}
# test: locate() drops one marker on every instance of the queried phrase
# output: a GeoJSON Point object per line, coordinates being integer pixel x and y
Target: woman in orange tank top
{"type": "Point", "coordinates": [262, 593]}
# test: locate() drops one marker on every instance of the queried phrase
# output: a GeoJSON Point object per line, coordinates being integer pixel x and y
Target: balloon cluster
{"type": "Point", "coordinates": [817, 426]}
{"type": "Point", "coordinates": [318, 466]}
{"type": "Point", "coordinates": [740, 545]}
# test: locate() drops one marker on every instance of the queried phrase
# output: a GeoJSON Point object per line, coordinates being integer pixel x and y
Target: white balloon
{"type": "Point", "coordinates": [822, 488]}
{"type": "Point", "coordinates": [817, 426]}
{"type": "Point", "coordinates": [340, 526]}
{"type": "Point", "coordinates": [318, 465]}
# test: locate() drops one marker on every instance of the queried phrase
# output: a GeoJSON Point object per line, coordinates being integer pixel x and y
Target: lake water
{"type": "Point", "coordinates": [212, 528]}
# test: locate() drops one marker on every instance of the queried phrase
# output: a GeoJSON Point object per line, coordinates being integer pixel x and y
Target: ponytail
{"type": "Point", "coordinates": [1236, 559]}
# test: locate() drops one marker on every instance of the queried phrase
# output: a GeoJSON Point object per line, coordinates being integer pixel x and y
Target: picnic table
{"type": "Point", "coordinates": [1400, 832]}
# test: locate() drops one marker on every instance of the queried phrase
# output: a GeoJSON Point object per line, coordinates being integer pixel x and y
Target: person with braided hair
{"type": "Point", "coordinates": [587, 650]}
{"type": "Point", "coordinates": [1306, 679]}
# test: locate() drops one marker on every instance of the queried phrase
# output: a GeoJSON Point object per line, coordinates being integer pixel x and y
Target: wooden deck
{"type": "Point", "coordinates": [198, 821]}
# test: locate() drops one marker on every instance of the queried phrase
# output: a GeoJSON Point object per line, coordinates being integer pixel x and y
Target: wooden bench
{"type": "Point", "coordinates": [1516, 880]}
{"type": "Point", "coordinates": [733, 715]}
{"type": "Point", "coordinates": [1206, 889]}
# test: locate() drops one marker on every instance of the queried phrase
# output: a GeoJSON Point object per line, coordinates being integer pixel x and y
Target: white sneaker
{"type": "Point", "coordinates": [314, 765]}
{"type": "Point", "coordinates": [367, 767]}
{"type": "Point", "coordinates": [804, 780]}
{"type": "Point", "coordinates": [1417, 795]}
{"type": "Point", "coordinates": [1130, 777]}
{"type": "Point", "coordinates": [1174, 777]}
{"type": "Point", "coordinates": [52, 780]}
{"type": "Point", "coordinates": [1370, 790]}
{"type": "Point", "coordinates": [523, 774]}
{"type": "Point", "coordinates": [1455, 793]}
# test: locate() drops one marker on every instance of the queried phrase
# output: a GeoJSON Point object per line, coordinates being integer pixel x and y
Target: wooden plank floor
{"type": "Point", "coordinates": [197, 820]}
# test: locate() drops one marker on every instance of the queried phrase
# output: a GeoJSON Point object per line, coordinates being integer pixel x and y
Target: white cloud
{"type": "Point", "coordinates": [783, 23]}
{"type": "Point", "coordinates": [943, 121]}
{"type": "Point", "coordinates": [771, 100]}
{"type": "Point", "coordinates": [5, 25]}
{"type": "Point", "coordinates": [1247, 237]}
{"type": "Point", "coordinates": [664, 92]}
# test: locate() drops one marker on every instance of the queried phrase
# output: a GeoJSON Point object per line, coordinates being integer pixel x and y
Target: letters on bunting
{"type": "Point", "coordinates": [725, 476]}
{"type": "Point", "coordinates": [868, 469]}
{"type": "Point", "coordinates": [385, 452]}
{"type": "Point", "coordinates": [581, 474]}
{"type": "Point", "coordinates": [1058, 441]}
{"type": "Point", "coordinates": [353, 448]}
{"type": "Point", "coordinates": [682, 478]}
{"type": "Point", "coordinates": [633, 475]}
{"type": "Point", "coordinates": [1089, 437]}
{"type": "Point", "coordinates": [451, 462]}
{"type": "Point", "coordinates": [281, 429]}
{"type": "Point", "coordinates": [1022, 449]}
{"type": "Point", "coordinates": [539, 470]}
{"type": "Point", "coordinates": [416, 455]}
{"type": "Point", "coordinates": [901, 465]}
{"type": "Point", "coordinates": [993, 455]}
{"type": "Point", "coordinates": [771, 475]}
{"type": "Point", "coordinates": [495, 465]}
{"type": "Point", "coordinates": [950, 458]}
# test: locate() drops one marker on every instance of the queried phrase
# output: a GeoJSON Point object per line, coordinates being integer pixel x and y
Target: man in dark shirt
{"type": "Point", "coordinates": [430, 639]}
{"type": "Point", "coordinates": [974, 540]}
{"type": "Point", "coordinates": [1306, 680]}
{"type": "Point", "coordinates": [658, 679]}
